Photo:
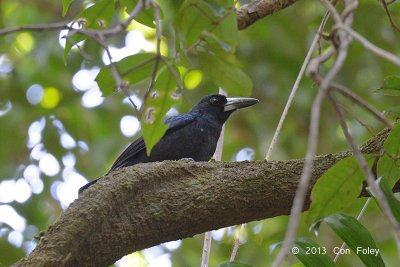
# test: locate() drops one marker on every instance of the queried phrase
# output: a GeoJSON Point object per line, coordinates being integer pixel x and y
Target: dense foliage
{"type": "Point", "coordinates": [57, 132]}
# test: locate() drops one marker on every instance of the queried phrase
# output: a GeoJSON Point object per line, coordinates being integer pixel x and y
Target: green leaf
{"type": "Point", "coordinates": [388, 165]}
{"type": "Point", "coordinates": [394, 204]}
{"type": "Point", "coordinates": [356, 237]}
{"type": "Point", "coordinates": [391, 86]}
{"type": "Point", "coordinates": [200, 19]}
{"type": "Point", "coordinates": [310, 253]}
{"type": "Point", "coordinates": [145, 17]}
{"type": "Point", "coordinates": [138, 67]}
{"type": "Point", "coordinates": [227, 30]}
{"type": "Point", "coordinates": [233, 264]}
{"type": "Point", "coordinates": [134, 69]}
{"type": "Point", "coordinates": [218, 49]}
{"type": "Point", "coordinates": [169, 8]}
{"type": "Point", "coordinates": [389, 169]}
{"type": "Point", "coordinates": [128, 4]}
{"type": "Point", "coordinates": [230, 77]}
{"type": "Point", "coordinates": [196, 16]}
{"type": "Point", "coordinates": [392, 143]}
{"type": "Point", "coordinates": [392, 112]}
{"type": "Point", "coordinates": [162, 97]}
{"type": "Point", "coordinates": [66, 4]}
{"type": "Point", "coordinates": [70, 42]}
{"type": "Point", "coordinates": [336, 189]}
{"type": "Point", "coordinates": [214, 43]}
{"type": "Point", "coordinates": [106, 82]}
{"type": "Point", "coordinates": [99, 15]}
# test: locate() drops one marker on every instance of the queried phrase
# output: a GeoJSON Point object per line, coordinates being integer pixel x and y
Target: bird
{"type": "Point", "coordinates": [191, 135]}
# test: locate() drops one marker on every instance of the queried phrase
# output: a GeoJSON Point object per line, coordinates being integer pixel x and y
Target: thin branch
{"type": "Point", "coordinates": [227, 14]}
{"type": "Point", "coordinates": [206, 249]}
{"type": "Point", "coordinates": [296, 86]}
{"type": "Point", "coordinates": [376, 191]}
{"type": "Point", "coordinates": [122, 85]}
{"type": "Point", "coordinates": [64, 25]}
{"type": "Point", "coordinates": [124, 24]}
{"type": "Point", "coordinates": [237, 243]}
{"type": "Point", "coordinates": [394, 25]}
{"type": "Point", "coordinates": [353, 96]}
{"type": "Point", "coordinates": [141, 64]}
{"type": "Point", "coordinates": [331, 8]}
{"type": "Point", "coordinates": [315, 63]}
{"type": "Point", "coordinates": [37, 27]}
{"type": "Point", "coordinates": [158, 56]}
{"type": "Point", "coordinates": [81, 51]}
{"type": "Point", "coordinates": [357, 119]}
{"type": "Point", "coordinates": [98, 35]}
{"type": "Point", "coordinates": [173, 72]}
{"type": "Point", "coordinates": [370, 46]}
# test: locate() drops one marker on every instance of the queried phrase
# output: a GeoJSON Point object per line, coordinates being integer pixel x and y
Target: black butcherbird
{"type": "Point", "coordinates": [192, 135]}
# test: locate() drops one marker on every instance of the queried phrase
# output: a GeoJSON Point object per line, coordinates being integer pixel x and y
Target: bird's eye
{"type": "Point", "coordinates": [214, 100]}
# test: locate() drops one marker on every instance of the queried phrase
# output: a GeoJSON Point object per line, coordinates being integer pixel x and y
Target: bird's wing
{"type": "Point", "coordinates": [138, 145]}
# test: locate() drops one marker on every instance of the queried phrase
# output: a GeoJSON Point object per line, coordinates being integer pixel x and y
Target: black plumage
{"type": "Point", "coordinates": [192, 135]}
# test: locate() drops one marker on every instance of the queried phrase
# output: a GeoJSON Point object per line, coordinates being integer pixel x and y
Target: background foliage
{"type": "Point", "coordinates": [270, 52]}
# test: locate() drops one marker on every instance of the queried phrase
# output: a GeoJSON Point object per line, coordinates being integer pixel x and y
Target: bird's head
{"type": "Point", "coordinates": [221, 106]}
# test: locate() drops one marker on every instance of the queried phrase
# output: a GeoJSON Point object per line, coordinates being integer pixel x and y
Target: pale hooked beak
{"type": "Point", "coordinates": [234, 103]}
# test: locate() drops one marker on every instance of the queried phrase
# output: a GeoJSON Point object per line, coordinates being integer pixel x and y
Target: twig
{"type": "Point", "coordinates": [331, 8]}
{"type": "Point", "coordinates": [81, 52]}
{"type": "Point", "coordinates": [376, 191]}
{"type": "Point", "coordinates": [64, 25]}
{"type": "Point", "coordinates": [176, 77]}
{"type": "Point", "coordinates": [296, 86]}
{"type": "Point", "coordinates": [138, 66]}
{"type": "Point", "coordinates": [37, 27]}
{"type": "Point", "coordinates": [237, 243]}
{"type": "Point", "coordinates": [98, 35]}
{"type": "Point", "coordinates": [394, 25]}
{"type": "Point", "coordinates": [357, 119]}
{"type": "Point", "coordinates": [315, 63]}
{"type": "Point", "coordinates": [206, 249]}
{"type": "Point", "coordinates": [370, 46]}
{"type": "Point", "coordinates": [124, 24]}
{"type": "Point", "coordinates": [157, 18]}
{"type": "Point", "coordinates": [173, 72]}
{"type": "Point", "coordinates": [117, 77]}
{"type": "Point", "coordinates": [353, 96]}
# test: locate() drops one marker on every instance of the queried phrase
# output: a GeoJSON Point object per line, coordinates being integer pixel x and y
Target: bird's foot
{"type": "Point", "coordinates": [187, 159]}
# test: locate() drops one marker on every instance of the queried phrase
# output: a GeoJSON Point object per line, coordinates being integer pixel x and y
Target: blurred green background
{"type": "Point", "coordinates": [55, 133]}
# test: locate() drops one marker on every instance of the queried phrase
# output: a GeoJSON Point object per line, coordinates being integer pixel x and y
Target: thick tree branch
{"type": "Point", "coordinates": [250, 13]}
{"type": "Point", "coordinates": [147, 204]}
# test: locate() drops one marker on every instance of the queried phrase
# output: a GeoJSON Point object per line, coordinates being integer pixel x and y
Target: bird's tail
{"type": "Point", "coordinates": [86, 186]}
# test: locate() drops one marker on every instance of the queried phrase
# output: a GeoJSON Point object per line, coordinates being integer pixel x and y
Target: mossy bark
{"type": "Point", "coordinates": [147, 204]}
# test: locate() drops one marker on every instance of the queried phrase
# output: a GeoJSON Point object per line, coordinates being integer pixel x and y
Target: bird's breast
{"type": "Point", "coordinates": [196, 140]}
